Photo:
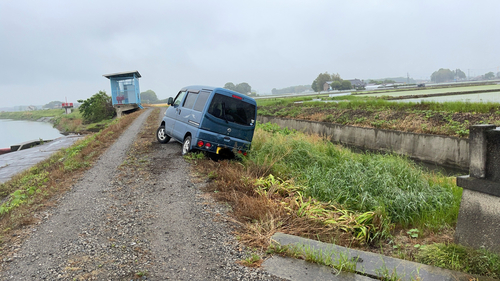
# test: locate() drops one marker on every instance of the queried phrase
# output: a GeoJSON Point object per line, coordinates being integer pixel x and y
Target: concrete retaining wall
{"type": "Point", "coordinates": [450, 151]}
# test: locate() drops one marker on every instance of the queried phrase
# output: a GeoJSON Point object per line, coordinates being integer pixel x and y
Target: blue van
{"type": "Point", "coordinates": [209, 119]}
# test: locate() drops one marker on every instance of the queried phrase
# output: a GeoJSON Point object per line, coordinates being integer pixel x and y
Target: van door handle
{"type": "Point", "coordinates": [179, 111]}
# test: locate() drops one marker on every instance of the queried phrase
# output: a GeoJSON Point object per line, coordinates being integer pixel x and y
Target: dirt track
{"type": "Point", "coordinates": [134, 215]}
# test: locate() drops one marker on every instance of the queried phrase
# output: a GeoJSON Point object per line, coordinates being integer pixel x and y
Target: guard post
{"type": "Point", "coordinates": [125, 91]}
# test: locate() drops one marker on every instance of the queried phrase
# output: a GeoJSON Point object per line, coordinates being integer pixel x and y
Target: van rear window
{"type": "Point", "coordinates": [232, 110]}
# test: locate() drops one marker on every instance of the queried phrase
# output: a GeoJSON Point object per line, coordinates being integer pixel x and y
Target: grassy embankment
{"type": "Point", "coordinates": [35, 189]}
{"type": "Point", "coordinates": [71, 123]}
{"type": "Point", "coordinates": [450, 118]}
{"type": "Point", "coordinates": [303, 185]}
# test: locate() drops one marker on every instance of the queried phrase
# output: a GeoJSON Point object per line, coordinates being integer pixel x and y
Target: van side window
{"type": "Point", "coordinates": [189, 102]}
{"type": "Point", "coordinates": [178, 99]}
{"type": "Point", "coordinates": [232, 110]}
{"type": "Point", "coordinates": [202, 99]}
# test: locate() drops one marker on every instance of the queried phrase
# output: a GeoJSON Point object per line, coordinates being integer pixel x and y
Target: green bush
{"type": "Point", "coordinates": [97, 108]}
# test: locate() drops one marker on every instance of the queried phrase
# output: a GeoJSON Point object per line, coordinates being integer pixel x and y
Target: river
{"type": "Point", "coordinates": [18, 131]}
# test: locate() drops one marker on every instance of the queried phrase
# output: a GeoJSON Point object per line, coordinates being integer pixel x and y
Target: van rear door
{"type": "Point", "coordinates": [230, 115]}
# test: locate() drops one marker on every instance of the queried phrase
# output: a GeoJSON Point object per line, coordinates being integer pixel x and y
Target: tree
{"type": "Point", "coordinates": [242, 88]}
{"type": "Point", "coordinates": [97, 108]}
{"type": "Point", "coordinates": [149, 96]}
{"type": "Point", "coordinates": [489, 75]}
{"type": "Point", "coordinates": [346, 85]}
{"type": "Point", "coordinates": [498, 74]}
{"type": "Point", "coordinates": [460, 74]}
{"type": "Point", "coordinates": [322, 78]}
{"type": "Point", "coordinates": [442, 75]}
{"type": "Point", "coordinates": [53, 104]}
{"type": "Point", "coordinates": [230, 86]}
{"type": "Point", "coordinates": [336, 85]}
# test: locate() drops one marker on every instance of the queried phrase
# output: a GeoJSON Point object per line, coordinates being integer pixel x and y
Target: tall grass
{"type": "Point", "coordinates": [389, 184]}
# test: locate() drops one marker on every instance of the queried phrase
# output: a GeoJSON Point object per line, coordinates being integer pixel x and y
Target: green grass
{"type": "Point", "coordinates": [378, 104]}
{"type": "Point", "coordinates": [460, 258]}
{"type": "Point", "coordinates": [389, 184]}
{"type": "Point", "coordinates": [337, 260]}
{"type": "Point", "coordinates": [31, 115]}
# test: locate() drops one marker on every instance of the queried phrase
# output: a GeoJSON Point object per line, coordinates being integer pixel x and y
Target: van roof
{"type": "Point", "coordinates": [199, 88]}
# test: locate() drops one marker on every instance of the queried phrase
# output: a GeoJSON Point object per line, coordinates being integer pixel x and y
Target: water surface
{"type": "Point", "coordinates": [18, 131]}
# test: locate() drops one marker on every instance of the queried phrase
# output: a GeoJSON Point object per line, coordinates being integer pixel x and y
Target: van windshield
{"type": "Point", "coordinates": [232, 110]}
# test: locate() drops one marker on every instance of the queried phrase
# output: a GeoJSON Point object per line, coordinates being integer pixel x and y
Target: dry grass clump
{"type": "Point", "coordinates": [263, 206]}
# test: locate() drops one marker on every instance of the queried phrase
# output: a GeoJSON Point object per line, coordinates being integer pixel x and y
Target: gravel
{"type": "Point", "coordinates": [147, 221]}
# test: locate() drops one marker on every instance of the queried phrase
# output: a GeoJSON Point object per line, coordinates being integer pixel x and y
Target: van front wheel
{"type": "Point", "coordinates": [186, 145]}
{"type": "Point", "coordinates": [161, 136]}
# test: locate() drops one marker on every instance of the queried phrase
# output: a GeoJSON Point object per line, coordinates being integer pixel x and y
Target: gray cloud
{"type": "Point", "coordinates": [55, 49]}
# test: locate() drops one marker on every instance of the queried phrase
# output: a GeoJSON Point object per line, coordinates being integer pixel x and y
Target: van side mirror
{"type": "Point", "coordinates": [170, 101]}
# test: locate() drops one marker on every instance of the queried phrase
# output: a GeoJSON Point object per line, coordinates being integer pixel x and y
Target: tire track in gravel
{"type": "Point", "coordinates": [146, 219]}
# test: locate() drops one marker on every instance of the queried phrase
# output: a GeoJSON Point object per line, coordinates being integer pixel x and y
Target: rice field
{"type": "Point", "coordinates": [434, 91]}
{"type": "Point", "coordinates": [481, 97]}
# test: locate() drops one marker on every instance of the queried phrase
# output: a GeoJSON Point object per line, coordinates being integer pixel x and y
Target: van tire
{"type": "Point", "coordinates": [161, 136]}
{"type": "Point", "coordinates": [186, 145]}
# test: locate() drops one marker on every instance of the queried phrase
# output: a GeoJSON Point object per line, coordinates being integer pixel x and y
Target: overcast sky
{"type": "Point", "coordinates": [50, 50]}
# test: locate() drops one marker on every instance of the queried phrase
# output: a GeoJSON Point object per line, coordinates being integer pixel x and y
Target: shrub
{"type": "Point", "coordinates": [97, 108]}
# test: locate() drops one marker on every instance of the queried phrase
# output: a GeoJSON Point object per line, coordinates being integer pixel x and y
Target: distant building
{"type": "Point", "coordinates": [357, 83]}
{"type": "Point", "coordinates": [327, 86]}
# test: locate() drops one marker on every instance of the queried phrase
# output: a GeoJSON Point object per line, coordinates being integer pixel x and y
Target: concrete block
{"type": "Point", "coordinates": [477, 150]}
{"type": "Point", "coordinates": [493, 155]}
{"type": "Point", "coordinates": [478, 223]}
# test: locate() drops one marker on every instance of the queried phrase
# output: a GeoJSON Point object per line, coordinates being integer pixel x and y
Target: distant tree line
{"type": "Point", "coordinates": [446, 75]}
{"type": "Point", "coordinates": [242, 88]}
{"type": "Point", "coordinates": [337, 82]}
{"type": "Point", "coordinates": [489, 75]}
{"type": "Point", "coordinates": [291, 90]}
{"type": "Point", "coordinates": [53, 104]}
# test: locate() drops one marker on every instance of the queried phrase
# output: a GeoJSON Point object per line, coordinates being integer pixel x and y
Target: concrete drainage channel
{"type": "Point", "coordinates": [442, 150]}
{"type": "Point", "coordinates": [369, 266]}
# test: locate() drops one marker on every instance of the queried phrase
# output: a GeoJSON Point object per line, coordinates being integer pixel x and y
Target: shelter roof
{"type": "Point", "coordinates": [123, 74]}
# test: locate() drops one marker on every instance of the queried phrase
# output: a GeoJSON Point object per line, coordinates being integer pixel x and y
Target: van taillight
{"type": "Point", "coordinates": [208, 145]}
{"type": "Point", "coordinates": [235, 96]}
{"type": "Point", "coordinates": [200, 143]}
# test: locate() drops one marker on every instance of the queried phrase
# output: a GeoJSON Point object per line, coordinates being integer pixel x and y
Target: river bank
{"type": "Point", "coordinates": [18, 161]}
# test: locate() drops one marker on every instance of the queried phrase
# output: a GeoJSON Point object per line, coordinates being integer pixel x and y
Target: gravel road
{"type": "Point", "coordinates": [133, 222]}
